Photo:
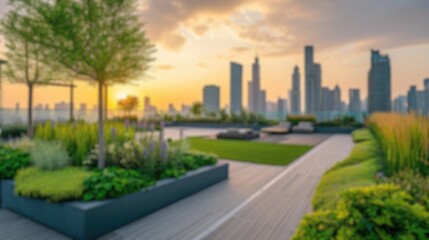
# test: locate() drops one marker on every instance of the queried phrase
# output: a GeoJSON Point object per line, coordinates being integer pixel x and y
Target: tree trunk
{"type": "Point", "coordinates": [106, 101]}
{"type": "Point", "coordinates": [71, 103]}
{"type": "Point", "coordinates": [30, 129]}
{"type": "Point", "coordinates": [101, 142]}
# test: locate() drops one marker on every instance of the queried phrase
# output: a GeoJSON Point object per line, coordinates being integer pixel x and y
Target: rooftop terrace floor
{"type": "Point", "coordinates": [257, 202]}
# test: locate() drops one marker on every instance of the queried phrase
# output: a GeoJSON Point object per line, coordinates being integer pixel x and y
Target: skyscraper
{"type": "Point", "coordinates": [412, 99]}
{"type": "Point", "coordinates": [400, 104]}
{"type": "Point", "coordinates": [296, 92]}
{"type": "Point", "coordinates": [262, 102]}
{"type": "Point", "coordinates": [250, 107]}
{"type": "Point", "coordinates": [354, 101]}
{"type": "Point", "coordinates": [426, 89]}
{"type": "Point", "coordinates": [236, 79]}
{"type": "Point", "coordinates": [211, 99]}
{"type": "Point", "coordinates": [327, 100]}
{"type": "Point", "coordinates": [337, 99]}
{"type": "Point", "coordinates": [281, 109]}
{"type": "Point", "coordinates": [379, 83]}
{"type": "Point", "coordinates": [313, 82]}
{"type": "Point", "coordinates": [256, 84]}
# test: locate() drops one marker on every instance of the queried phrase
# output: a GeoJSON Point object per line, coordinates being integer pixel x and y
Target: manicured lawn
{"type": "Point", "coordinates": [256, 152]}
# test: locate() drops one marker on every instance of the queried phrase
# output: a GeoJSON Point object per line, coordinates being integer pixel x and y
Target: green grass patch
{"type": "Point", "coordinates": [255, 152]}
{"type": "Point", "coordinates": [362, 135]}
{"type": "Point", "coordinates": [334, 182]}
{"type": "Point", "coordinates": [54, 186]}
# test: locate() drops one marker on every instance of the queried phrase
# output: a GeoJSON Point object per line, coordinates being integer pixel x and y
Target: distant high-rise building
{"type": "Point", "coordinates": [327, 100]}
{"type": "Point", "coordinates": [236, 79]}
{"type": "Point", "coordinates": [337, 99]}
{"type": "Point", "coordinates": [379, 83]}
{"type": "Point", "coordinates": [61, 106]}
{"type": "Point", "coordinates": [171, 109]}
{"type": "Point", "coordinates": [354, 101]}
{"type": "Point", "coordinates": [400, 104]}
{"type": "Point", "coordinates": [186, 109]}
{"type": "Point", "coordinates": [426, 89]}
{"type": "Point", "coordinates": [211, 99]}
{"type": "Point", "coordinates": [412, 99]}
{"type": "Point", "coordinates": [296, 92]}
{"type": "Point", "coordinates": [313, 82]}
{"type": "Point", "coordinates": [281, 109]}
{"type": "Point", "coordinates": [149, 110]}
{"type": "Point", "coordinates": [250, 96]}
{"type": "Point", "coordinates": [421, 104]}
{"type": "Point", "coordinates": [83, 107]}
{"type": "Point", "coordinates": [256, 101]}
{"type": "Point", "coordinates": [262, 102]}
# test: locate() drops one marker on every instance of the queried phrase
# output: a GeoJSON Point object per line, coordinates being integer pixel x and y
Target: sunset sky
{"type": "Point", "coordinates": [196, 40]}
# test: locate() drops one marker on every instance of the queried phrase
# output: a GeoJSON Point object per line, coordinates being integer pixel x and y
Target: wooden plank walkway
{"type": "Point", "coordinates": [273, 214]}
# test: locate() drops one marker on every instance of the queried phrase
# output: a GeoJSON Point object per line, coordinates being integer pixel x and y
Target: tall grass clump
{"type": "Point", "coordinates": [404, 141]}
{"type": "Point", "coordinates": [80, 138]}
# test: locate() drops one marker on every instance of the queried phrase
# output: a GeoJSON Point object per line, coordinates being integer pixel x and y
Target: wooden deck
{"type": "Point", "coordinates": [257, 202]}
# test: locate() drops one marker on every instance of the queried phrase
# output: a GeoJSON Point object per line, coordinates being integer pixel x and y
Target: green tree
{"type": "Point", "coordinates": [101, 41]}
{"type": "Point", "coordinates": [25, 61]}
{"type": "Point", "coordinates": [197, 109]}
{"type": "Point", "coordinates": [128, 104]}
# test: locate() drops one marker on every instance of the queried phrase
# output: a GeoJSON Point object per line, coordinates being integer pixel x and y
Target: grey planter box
{"type": "Point", "coordinates": [1, 205]}
{"type": "Point", "coordinates": [88, 220]}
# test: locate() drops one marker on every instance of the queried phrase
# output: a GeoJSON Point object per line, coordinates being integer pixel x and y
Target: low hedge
{"type": "Point", "coordinates": [54, 186]}
{"type": "Point", "coordinates": [295, 119]}
{"type": "Point", "coordinates": [13, 131]}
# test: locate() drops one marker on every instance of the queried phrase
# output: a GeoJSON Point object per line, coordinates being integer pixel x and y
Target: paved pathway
{"type": "Point", "coordinates": [257, 202]}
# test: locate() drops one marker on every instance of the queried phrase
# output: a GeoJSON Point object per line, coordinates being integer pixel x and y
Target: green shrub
{"type": "Point", "coordinates": [11, 160]}
{"type": "Point", "coordinates": [362, 135]}
{"type": "Point", "coordinates": [295, 119]}
{"type": "Point", "coordinates": [80, 138]}
{"type": "Point", "coordinates": [54, 186]}
{"type": "Point", "coordinates": [381, 212]}
{"type": "Point", "coordinates": [49, 156]}
{"type": "Point", "coordinates": [414, 183]}
{"type": "Point", "coordinates": [114, 182]}
{"type": "Point", "coordinates": [376, 212]}
{"type": "Point", "coordinates": [318, 226]}
{"type": "Point", "coordinates": [13, 131]}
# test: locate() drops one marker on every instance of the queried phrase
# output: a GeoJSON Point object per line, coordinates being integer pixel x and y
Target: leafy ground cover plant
{"type": "Point", "coordinates": [114, 182]}
{"type": "Point", "coordinates": [11, 160]}
{"type": "Point", "coordinates": [55, 186]}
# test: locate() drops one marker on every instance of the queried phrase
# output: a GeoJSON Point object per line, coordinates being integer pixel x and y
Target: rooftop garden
{"type": "Point", "coordinates": [381, 190]}
{"type": "Point", "coordinates": [60, 164]}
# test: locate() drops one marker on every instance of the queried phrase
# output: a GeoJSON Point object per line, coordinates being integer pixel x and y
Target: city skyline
{"type": "Point", "coordinates": [205, 52]}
